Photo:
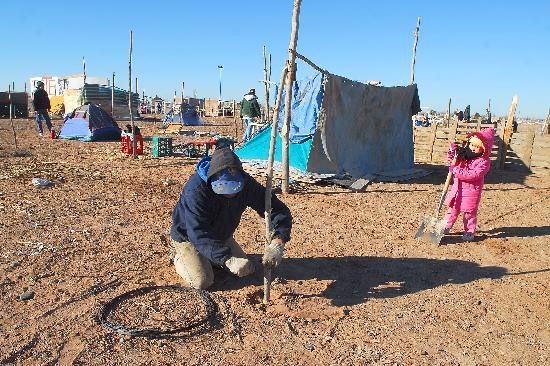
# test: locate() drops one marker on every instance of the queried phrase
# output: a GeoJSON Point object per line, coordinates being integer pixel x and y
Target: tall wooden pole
{"type": "Point", "coordinates": [546, 125]}
{"type": "Point", "coordinates": [113, 97]}
{"type": "Point", "coordinates": [507, 132]}
{"type": "Point", "coordinates": [235, 118]}
{"type": "Point", "coordinates": [266, 84]}
{"type": "Point", "coordinates": [11, 120]}
{"type": "Point", "coordinates": [290, 77]}
{"type": "Point", "coordinates": [449, 113]}
{"type": "Point", "coordinates": [269, 182]}
{"type": "Point", "coordinates": [134, 143]}
{"type": "Point", "coordinates": [84, 69]}
{"type": "Point", "coordinates": [414, 49]}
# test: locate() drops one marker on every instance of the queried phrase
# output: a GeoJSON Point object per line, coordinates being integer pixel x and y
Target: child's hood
{"type": "Point", "coordinates": [487, 136]}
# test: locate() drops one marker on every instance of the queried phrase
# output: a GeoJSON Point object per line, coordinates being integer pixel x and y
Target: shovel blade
{"type": "Point", "coordinates": [432, 229]}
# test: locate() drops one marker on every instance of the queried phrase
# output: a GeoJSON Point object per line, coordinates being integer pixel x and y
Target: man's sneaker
{"type": "Point", "coordinates": [41, 134]}
{"type": "Point", "coordinates": [468, 237]}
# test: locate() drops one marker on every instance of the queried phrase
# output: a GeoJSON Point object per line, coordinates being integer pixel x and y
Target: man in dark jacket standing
{"type": "Point", "coordinates": [250, 109]}
{"type": "Point", "coordinates": [208, 213]}
{"type": "Point", "coordinates": [41, 104]}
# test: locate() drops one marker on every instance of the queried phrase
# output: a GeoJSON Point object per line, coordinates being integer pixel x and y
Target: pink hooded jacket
{"type": "Point", "coordinates": [469, 175]}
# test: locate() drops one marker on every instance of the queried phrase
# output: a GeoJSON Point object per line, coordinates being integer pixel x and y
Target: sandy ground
{"type": "Point", "coordinates": [355, 286]}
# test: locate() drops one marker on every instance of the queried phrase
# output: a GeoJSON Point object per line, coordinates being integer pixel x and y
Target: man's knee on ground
{"type": "Point", "coordinates": [200, 283]}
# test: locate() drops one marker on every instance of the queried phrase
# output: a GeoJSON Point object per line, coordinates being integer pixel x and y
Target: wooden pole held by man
{"type": "Point", "coordinates": [269, 182]}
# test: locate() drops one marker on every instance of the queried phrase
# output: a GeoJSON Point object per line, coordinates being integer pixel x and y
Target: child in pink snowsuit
{"type": "Point", "coordinates": [469, 173]}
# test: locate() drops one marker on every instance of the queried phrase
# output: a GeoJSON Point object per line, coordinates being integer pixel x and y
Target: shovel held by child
{"type": "Point", "coordinates": [433, 227]}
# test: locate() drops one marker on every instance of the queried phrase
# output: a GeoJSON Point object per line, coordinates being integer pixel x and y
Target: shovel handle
{"type": "Point", "coordinates": [445, 187]}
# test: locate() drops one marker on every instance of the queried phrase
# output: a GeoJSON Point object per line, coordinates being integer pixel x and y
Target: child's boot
{"type": "Point", "coordinates": [468, 237]}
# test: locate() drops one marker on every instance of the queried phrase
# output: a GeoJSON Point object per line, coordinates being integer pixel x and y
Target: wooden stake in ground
{"type": "Point", "coordinates": [113, 97]}
{"type": "Point", "coordinates": [507, 132]}
{"type": "Point", "coordinates": [449, 113]}
{"type": "Point", "coordinates": [414, 49]}
{"type": "Point", "coordinates": [290, 77]}
{"type": "Point", "coordinates": [11, 120]}
{"type": "Point", "coordinates": [546, 125]}
{"type": "Point", "coordinates": [269, 183]}
{"type": "Point", "coordinates": [266, 84]}
{"type": "Point", "coordinates": [134, 144]}
{"type": "Point", "coordinates": [235, 118]}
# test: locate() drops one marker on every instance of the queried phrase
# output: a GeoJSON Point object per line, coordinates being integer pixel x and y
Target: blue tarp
{"type": "Point", "coordinates": [188, 116]}
{"type": "Point", "coordinates": [255, 149]}
{"type": "Point", "coordinates": [307, 97]}
{"type": "Point", "coordinates": [365, 129]}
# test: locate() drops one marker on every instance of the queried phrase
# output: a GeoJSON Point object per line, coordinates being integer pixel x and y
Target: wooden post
{"type": "Point", "coordinates": [266, 84]}
{"type": "Point", "coordinates": [269, 182]}
{"type": "Point", "coordinates": [134, 142]}
{"type": "Point", "coordinates": [507, 132]}
{"type": "Point", "coordinates": [11, 120]}
{"type": "Point", "coordinates": [414, 49]}
{"type": "Point", "coordinates": [531, 143]}
{"type": "Point", "coordinates": [432, 141]}
{"type": "Point", "coordinates": [113, 97]}
{"type": "Point", "coordinates": [546, 125]}
{"type": "Point", "coordinates": [449, 114]}
{"type": "Point", "coordinates": [84, 69]}
{"type": "Point", "coordinates": [235, 119]}
{"type": "Point", "coordinates": [290, 77]}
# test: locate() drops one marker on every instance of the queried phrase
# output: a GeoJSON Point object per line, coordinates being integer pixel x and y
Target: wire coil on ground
{"type": "Point", "coordinates": [109, 307]}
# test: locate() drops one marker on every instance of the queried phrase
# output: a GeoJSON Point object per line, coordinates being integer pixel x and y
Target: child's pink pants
{"type": "Point", "coordinates": [469, 219]}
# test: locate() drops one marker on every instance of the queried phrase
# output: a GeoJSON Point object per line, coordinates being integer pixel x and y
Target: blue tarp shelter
{"type": "Point", "coordinates": [342, 126]}
{"type": "Point", "coordinates": [187, 116]}
{"type": "Point", "coordinates": [90, 123]}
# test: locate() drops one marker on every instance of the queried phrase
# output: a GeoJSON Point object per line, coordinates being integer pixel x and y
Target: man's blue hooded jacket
{"type": "Point", "coordinates": [207, 219]}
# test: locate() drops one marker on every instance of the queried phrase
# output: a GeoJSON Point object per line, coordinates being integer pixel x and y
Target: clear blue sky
{"type": "Point", "coordinates": [469, 50]}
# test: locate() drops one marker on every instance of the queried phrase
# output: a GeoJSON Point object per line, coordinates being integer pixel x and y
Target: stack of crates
{"type": "Point", "coordinates": [162, 146]}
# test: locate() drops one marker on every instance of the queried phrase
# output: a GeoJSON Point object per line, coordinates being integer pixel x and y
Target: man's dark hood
{"type": "Point", "coordinates": [221, 159]}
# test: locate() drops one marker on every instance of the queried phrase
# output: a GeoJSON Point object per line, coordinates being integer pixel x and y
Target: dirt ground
{"type": "Point", "coordinates": [354, 288]}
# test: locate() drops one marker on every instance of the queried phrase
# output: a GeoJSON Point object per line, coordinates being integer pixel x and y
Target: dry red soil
{"type": "Point", "coordinates": [355, 287]}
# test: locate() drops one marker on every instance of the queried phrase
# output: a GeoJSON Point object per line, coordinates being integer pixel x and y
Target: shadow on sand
{"type": "Point", "coordinates": [356, 279]}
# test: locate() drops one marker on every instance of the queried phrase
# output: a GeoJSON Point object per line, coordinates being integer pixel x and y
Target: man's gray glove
{"type": "Point", "coordinates": [273, 253]}
{"type": "Point", "coordinates": [240, 266]}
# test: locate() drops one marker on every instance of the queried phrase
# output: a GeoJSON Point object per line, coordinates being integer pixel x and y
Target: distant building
{"type": "Point", "coordinates": [55, 85]}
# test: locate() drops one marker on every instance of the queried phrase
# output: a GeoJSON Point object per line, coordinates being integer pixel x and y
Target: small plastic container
{"type": "Point", "coordinates": [127, 145]}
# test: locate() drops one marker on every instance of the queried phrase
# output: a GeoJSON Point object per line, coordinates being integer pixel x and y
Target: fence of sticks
{"type": "Point", "coordinates": [527, 149]}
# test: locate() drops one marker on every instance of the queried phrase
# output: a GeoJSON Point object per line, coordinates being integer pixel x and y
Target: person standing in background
{"type": "Point", "coordinates": [250, 109]}
{"type": "Point", "coordinates": [41, 104]}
